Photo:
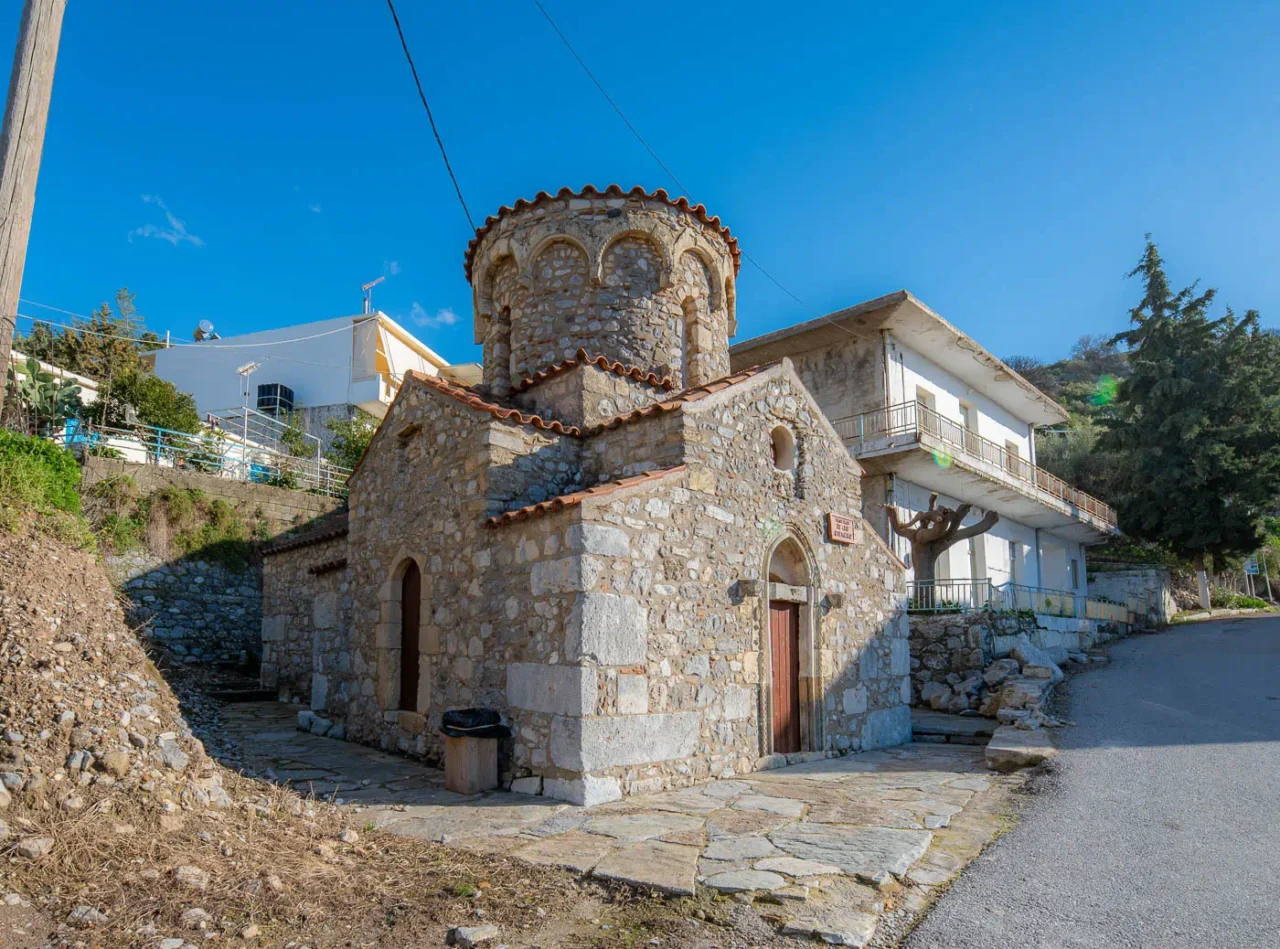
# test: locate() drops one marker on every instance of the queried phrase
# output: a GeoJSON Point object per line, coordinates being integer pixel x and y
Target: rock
{"type": "Point", "coordinates": [834, 925]}
{"type": "Point", "coordinates": [170, 823]}
{"type": "Point", "coordinates": [855, 849]}
{"type": "Point", "coordinates": [644, 826]}
{"type": "Point", "coordinates": [33, 848]}
{"type": "Point", "coordinates": [936, 695]}
{"type": "Point", "coordinates": [990, 705]}
{"type": "Point", "coordinates": [349, 837]}
{"type": "Point", "coordinates": [174, 758]}
{"type": "Point", "coordinates": [1051, 672]}
{"type": "Point", "coordinates": [745, 881]}
{"type": "Point", "coordinates": [191, 878]}
{"type": "Point", "coordinates": [667, 868]}
{"type": "Point", "coordinates": [1011, 716]}
{"type": "Point", "coordinates": [797, 891]}
{"type": "Point", "coordinates": [739, 848]}
{"type": "Point", "coordinates": [86, 917]}
{"type": "Point", "coordinates": [250, 932]}
{"type": "Point", "coordinates": [958, 703]}
{"type": "Point", "coordinates": [969, 686]}
{"type": "Point", "coordinates": [72, 803]}
{"type": "Point", "coordinates": [5, 799]}
{"type": "Point", "coordinates": [115, 763]}
{"type": "Point", "coordinates": [11, 780]}
{"type": "Point", "coordinates": [1024, 693]}
{"type": "Point", "coordinates": [172, 943]}
{"type": "Point", "coordinates": [880, 879]}
{"type": "Point", "coordinates": [4, 830]}
{"type": "Point", "coordinates": [795, 867]}
{"type": "Point", "coordinates": [1030, 655]}
{"type": "Point", "coordinates": [469, 937]}
{"type": "Point", "coordinates": [999, 671]}
{"type": "Point", "coordinates": [274, 883]}
{"type": "Point", "coordinates": [138, 740]}
{"type": "Point", "coordinates": [195, 918]}
{"type": "Point", "coordinates": [1011, 749]}
{"type": "Point", "coordinates": [324, 851]}
{"type": "Point", "coordinates": [79, 761]}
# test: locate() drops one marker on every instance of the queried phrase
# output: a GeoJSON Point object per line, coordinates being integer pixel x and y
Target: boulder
{"type": "Point", "coordinates": [990, 705]}
{"type": "Point", "coordinates": [937, 695]}
{"type": "Point", "coordinates": [1000, 671]}
{"type": "Point", "coordinates": [1011, 748]}
{"type": "Point", "coordinates": [969, 686]}
{"type": "Point", "coordinates": [1030, 655]}
{"type": "Point", "coordinates": [1024, 693]}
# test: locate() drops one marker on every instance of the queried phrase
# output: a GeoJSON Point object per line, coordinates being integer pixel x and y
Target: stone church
{"type": "Point", "coordinates": [655, 570]}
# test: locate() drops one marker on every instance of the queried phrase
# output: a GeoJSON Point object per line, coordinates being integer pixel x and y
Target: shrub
{"type": "Point", "coordinates": [1227, 600]}
{"type": "Point", "coordinates": [38, 475]}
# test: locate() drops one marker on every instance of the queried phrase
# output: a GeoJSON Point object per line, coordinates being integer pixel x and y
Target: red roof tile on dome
{"type": "Point", "coordinates": [470, 397]}
{"type": "Point", "coordinates": [583, 358]}
{"type": "Point", "coordinates": [577, 497]}
{"type": "Point", "coordinates": [612, 191]}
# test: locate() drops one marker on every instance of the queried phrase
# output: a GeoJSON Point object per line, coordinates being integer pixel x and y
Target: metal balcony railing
{"type": "Point", "coordinates": [948, 596]}
{"type": "Point", "coordinates": [914, 419]}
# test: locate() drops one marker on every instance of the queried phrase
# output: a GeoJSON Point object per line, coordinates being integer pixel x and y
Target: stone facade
{"type": "Point", "coordinates": [599, 555]}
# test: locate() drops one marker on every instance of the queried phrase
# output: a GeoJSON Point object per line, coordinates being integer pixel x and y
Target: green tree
{"type": "Point", "coordinates": [1196, 425]}
{"type": "Point", "coordinates": [157, 402]}
{"type": "Point", "coordinates": [351, 436]}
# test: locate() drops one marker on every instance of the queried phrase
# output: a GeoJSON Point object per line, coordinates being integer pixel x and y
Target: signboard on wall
{"type": "Point", "coordinates": [841, 529]}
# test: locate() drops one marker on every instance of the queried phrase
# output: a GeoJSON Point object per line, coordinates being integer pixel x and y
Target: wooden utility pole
{"type": "Point", "coordinates": [26, 113]}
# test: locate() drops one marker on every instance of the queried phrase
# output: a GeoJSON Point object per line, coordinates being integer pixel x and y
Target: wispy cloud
{"type": "Point", "coordinates": [176, 233]}
{"type": "Point", "coordinates": [314, 207]}
{"type": "Point", "coordinates": [420, 317]}
{"type": "Point", "coordinates": [391, 267]}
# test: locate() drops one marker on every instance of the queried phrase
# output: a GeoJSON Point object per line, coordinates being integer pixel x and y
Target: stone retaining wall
{"type": "Point", "coordinates": [1150, 585]}
{"type": "Point", "coordinates": [194, 607]}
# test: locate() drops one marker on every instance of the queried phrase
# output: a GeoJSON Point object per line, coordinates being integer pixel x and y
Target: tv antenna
{"type": "Point", "coordinates": [244, 372]}
{"type": "Point", "coordinates": [368, 294]}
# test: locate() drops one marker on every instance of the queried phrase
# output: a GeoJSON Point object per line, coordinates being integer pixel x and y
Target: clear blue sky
{"type": "Point", "coordinates": [1002, 163]}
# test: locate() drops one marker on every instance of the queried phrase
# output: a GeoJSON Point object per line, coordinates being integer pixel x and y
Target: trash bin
{"type": "Point", "coordinates": [471, 749]}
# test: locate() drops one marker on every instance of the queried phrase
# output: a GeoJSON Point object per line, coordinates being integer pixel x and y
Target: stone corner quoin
{"type": "Point", "coordinates": [647, 591]}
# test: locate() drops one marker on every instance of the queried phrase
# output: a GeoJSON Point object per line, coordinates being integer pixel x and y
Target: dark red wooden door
{"type": "Point", "coordinates": [410, 605]}
{"type": "Point", "coordinates": [784, 633]}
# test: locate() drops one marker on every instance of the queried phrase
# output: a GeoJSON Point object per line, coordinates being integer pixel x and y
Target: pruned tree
{"type": "Point", "coordinates": [933, 531]}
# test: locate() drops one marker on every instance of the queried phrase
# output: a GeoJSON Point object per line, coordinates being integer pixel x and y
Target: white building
{"type": "Point", "coordinates": [925, 409]}
{"type": "Point", "coordinates": [326, 368]}
{"type": "Point", "coordinates": [88, 387]}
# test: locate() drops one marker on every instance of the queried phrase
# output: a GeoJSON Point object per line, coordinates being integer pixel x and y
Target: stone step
{"type": "Point", "coordinates": [942, 728]}
{"type": "Point", "coordinates": [246, 694]}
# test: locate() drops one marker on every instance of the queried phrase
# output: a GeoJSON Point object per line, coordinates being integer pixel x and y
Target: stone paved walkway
{"type": "Point", "coordinates": [824, 845]}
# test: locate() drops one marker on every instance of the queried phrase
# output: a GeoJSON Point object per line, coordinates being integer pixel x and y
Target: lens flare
{"type": "Point", "coordinates": [942, 459]}
{"type": "Point", "coordinates": [1104, 391]}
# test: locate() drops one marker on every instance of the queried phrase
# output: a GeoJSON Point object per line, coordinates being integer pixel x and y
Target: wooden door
{"type": "Point", "coordinates": [410, 607]}
{"type": "Point", "coordinates": [784, 634]}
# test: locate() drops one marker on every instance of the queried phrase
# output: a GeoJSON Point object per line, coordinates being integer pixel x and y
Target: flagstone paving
{"type": "Point", "coordinates": [823, 842]}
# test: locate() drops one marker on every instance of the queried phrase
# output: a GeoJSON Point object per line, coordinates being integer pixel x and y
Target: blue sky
{"type": "Point", "coordinates": [1001, 162]}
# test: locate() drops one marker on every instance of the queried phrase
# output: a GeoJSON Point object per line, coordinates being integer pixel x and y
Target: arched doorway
{"type": "Point", "coordinates": [410, 609]}
{"type": "Point", "coordinates": [790, 718]}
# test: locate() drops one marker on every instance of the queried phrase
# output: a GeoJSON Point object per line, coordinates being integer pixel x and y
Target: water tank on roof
{"type": "Point", "coordinates": [275, 398]}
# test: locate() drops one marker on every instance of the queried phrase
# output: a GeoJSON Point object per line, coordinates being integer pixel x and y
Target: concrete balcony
{"type": "Point", "coordinates": [935, 452]}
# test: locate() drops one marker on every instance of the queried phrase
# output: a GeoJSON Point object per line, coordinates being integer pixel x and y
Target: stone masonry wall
{"type": "Point", "coordinates": [635, 278]}
{"type": "Point", "coordinates": [306, 622]}
{"type": "Point", "coordinates": [587, 395]}
{"type": "Point", "coordinates": [193, 607]}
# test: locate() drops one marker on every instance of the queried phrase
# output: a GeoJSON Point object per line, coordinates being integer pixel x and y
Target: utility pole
{"type": "Point", "coordinates": [26, 113]}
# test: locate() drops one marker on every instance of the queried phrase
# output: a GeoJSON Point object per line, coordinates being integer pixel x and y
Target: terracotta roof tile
{"type": "Point", "coordinates": [582, 357]}
{"type": "Point", "coordinates": [577, 497]}
{"type": "Point", "coordinates": [472, 398]}
{"type": "Point", "coordinates": [331, 527]}
{"type": "Point", "coordinates": [613, 191]}
{"type": "Point", "coordinates": [329, 566]}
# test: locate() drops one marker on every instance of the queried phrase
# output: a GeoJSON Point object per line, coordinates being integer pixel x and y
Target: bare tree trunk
{"type": "Point", "coordinates": [1204, 582]}
{"type": "Point", "coordinates": [22, 140]}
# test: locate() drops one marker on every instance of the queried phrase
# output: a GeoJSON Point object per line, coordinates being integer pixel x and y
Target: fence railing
{"type": "Point", "coordinates": [968, 596]}
{"type": "Point", "coordinates": [216, 452]}
{"type": "Point", "coordinates": [918, 420]}
{"type": "Point", "coordinates": [948, 596]}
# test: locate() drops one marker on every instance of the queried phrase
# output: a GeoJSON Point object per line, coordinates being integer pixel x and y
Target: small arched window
{"type": "Point", "coordinates": [410, 612]}
{"type": "Point", "coordinates": [784, 448]}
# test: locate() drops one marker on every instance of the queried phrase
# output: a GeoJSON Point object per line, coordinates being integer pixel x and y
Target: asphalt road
{"type": "Point", "coordinates": [1161, 827]}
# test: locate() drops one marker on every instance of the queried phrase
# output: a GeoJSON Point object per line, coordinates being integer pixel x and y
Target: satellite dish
{"type": "Point", "coordinates": [204, 330]}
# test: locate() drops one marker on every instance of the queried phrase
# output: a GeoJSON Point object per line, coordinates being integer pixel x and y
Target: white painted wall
{"type": "Point", "coordinates": [328, 362]}
{"type": "Point", "coordinates": [994, 554]}
{"type": "Point", "coordinates": [910, 370]}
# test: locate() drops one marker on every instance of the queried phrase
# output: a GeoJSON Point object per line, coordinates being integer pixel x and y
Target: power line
{"type": "Point", "coordinates": [174, 344]}
{"type": "Point", "coordinates": [663, 165]}
{"type": "Point", "coordinates": [430, 118]}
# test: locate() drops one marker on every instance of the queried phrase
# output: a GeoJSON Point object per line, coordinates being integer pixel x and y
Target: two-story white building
{"type": "Point", "coordinates": [926, 409]}
{"type": "Point", "coordinates": [319, 370]}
